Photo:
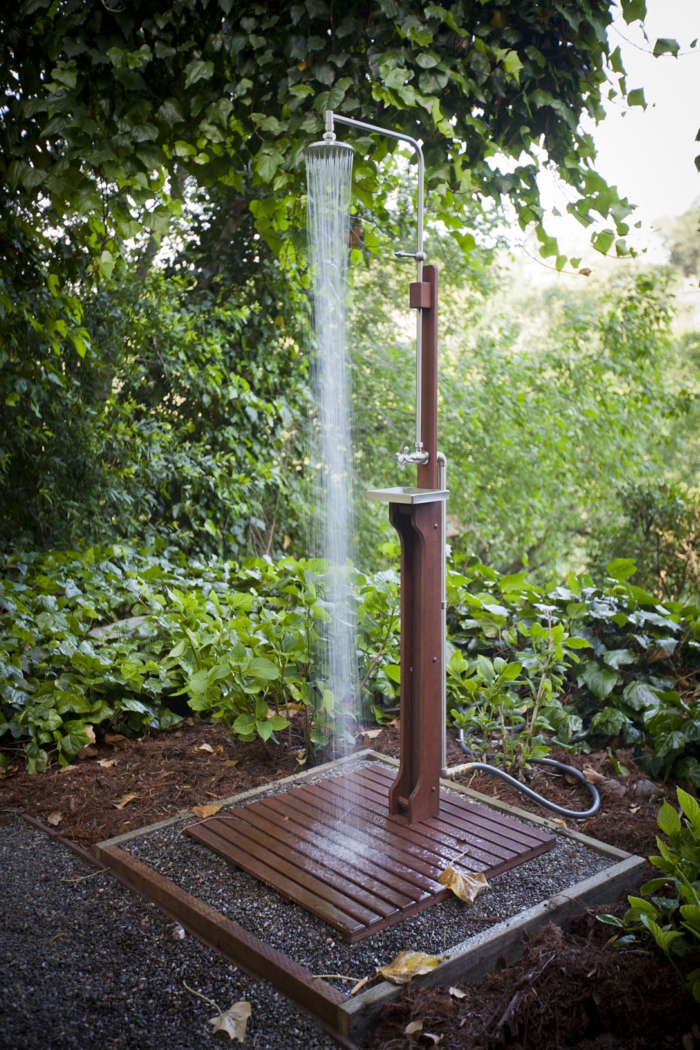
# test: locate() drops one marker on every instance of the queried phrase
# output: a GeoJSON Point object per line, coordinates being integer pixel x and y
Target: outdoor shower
{"type": "Point", "coordinates": [365, 849]}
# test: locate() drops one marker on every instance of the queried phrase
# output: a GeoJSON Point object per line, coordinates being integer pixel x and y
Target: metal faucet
{"type": "Point", "coordinates": [419, 457]}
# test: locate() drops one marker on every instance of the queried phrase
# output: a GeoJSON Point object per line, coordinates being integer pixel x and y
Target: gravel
{"type": "Point", "coordinates": [87, 964]}
{"type": "Point", "coordinates": [113, 979]}
{"type": "Point", "coordinates": [316, 945]}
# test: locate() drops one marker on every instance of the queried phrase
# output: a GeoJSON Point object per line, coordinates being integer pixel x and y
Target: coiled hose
{"type": "Point", "coordinates": [562, 766]}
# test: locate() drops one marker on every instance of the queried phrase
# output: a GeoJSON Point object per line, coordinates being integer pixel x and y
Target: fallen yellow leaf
{"type": "Point", "coordinates": [106, 763]}
{"type": "Point", "coordinates": [67, 769]}
{"type": "Point", "coordinates": [407, 965]}
{"type": "Point", "coordinates": [231, 762]}
{"type": "Point", "coordinates": [55, 818]}
{"type": "Point", "coordinates": [457, 994]}
{"type": "Point", "coordinates": [218, 750]}
{"type": "Point", "coordinates": [593, 776]}
{"type": "Point", "coordinates": [125, 799]}
{"type": "Point", "coordinates": [559, 821]}
{"type": "Point", "coordinates": [207, 811]}
{"type": "Point", "coordinates": [202, 749]}
{"type": "Point", "coordinates": [233, 1022]}
{"type": "Point", "coordinates": [413, 1026]}
{"type": "Point", "coordinates": [466, 886]}
{"type": "Point", "coordinates": [90, 733]}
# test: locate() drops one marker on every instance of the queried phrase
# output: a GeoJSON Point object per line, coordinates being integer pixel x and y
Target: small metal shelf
{"type": "Point", "coordinates": [407, 494]}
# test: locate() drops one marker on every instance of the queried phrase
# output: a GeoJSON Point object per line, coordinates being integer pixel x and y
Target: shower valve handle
{"type": "Point", "coordinates": [417, 457]}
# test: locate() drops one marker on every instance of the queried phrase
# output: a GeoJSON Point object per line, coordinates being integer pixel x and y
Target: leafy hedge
{"type": "Point", "coordinates": [118, 639]}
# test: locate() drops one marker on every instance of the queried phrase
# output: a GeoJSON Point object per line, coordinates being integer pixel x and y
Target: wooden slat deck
{"type": "Point", "coordinates": [332, 848]}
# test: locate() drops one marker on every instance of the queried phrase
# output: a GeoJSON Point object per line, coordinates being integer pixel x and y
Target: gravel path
{"type": "Point", "coordinates": [113, 978]}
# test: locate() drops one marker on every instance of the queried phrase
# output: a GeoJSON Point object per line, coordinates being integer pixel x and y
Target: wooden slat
{"type": "Point", "coordinates": [314, 899]}
{"type": "Point", "coordinates": [303, 815]}
{"type": "Point", "coordinates": [296, 863]}
{"type": "Point", "coordinates": [247, 951]}
{"type": "Point", "coordinates": [437, 841]}
{"type": "Point", "coordinates": [333, 848]}
{"type": "Point", "coordinates": [335, 857]}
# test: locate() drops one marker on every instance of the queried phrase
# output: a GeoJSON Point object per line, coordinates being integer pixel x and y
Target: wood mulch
{"type": "Point", "coordinates": [197, 764]}
{"type": "Point", "coordinates": [569, 990]}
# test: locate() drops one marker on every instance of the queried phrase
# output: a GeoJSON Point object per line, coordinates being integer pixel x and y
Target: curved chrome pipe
{"type": "Point", "coordinates": [331, 118]}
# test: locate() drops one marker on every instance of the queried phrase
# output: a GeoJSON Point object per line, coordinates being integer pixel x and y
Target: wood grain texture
{"type": "Point", "coordinates": [334, 849]}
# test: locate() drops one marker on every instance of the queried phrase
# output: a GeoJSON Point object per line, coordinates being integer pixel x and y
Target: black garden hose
{"type": "Point", "coordinates": [562, 766]}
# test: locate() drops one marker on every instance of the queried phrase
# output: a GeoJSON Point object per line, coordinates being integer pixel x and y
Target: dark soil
{"type": "Point", "coordinates": [569, 990]}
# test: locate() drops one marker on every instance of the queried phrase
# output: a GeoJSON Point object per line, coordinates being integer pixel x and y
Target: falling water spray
{"type": "Point", "coordinates": [329, 177]}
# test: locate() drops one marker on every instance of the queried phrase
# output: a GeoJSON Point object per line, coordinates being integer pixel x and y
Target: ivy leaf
{"type": "Point", "coordinates": [600, 680]}
{"type": "Point", "coordinates": [636, 98]}
{"type": "Point", "coordinates": [198, 69]}
{"type": "Point", "coordinates": [666, 46]}
{"type": "Point", "coordinates": [634, 11]}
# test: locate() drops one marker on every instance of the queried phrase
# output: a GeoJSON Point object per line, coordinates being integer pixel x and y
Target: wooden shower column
{"type": "Point", "coordinates": [416, 514]}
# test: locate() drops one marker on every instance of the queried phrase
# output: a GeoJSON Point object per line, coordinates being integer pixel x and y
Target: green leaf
{"type": "Point", "coordinates": [577, 643]}
{"type": "Point", "coordinates": [198, 69]}
{"type": "Point", "coordinates": [621, 568]}
{"type": "Point", "coordinates": [668, 819]}
{"type": "Point", "coordinates": [600, 680]}
{"type": "Point", "coordinates": [690, 807]}
{"type": "Point", "coordinates": [264, 669]}
{"type": "Point", "coordinates": [636, 98]}
{"type": "Point", "coordinates": [666, 46]}
{"type": "Point", "coordinates": [634, 11]}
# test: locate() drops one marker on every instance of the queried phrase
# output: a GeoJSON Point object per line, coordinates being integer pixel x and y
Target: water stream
{"type": "Point", "coordinates": [329, 179]}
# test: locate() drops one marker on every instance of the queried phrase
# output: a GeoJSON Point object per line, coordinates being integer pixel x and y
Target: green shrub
{"type": "Point", "coordinates": [673, 922]}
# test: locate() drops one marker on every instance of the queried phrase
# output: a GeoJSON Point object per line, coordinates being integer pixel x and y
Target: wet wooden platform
{"type": "Point", "coordinates": [332, 848]}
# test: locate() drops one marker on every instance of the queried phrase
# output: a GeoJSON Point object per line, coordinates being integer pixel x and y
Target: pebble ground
{"type": "Point", "coordinates": [314, 944]}
{"type": "Point", "coordinates": [87, 965]}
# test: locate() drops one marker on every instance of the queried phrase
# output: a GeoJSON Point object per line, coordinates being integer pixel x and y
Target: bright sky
{"type": "Point", "coordinates": [648, 154]}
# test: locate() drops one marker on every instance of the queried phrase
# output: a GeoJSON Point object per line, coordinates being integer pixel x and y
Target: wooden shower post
{"type": "Point", "coordinates": [416, 790]}
{"type": "Point", "coordinates": [416, 514]}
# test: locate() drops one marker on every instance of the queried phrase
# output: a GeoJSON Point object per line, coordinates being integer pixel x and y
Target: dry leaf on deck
{"type": "Point", "coordinates": [54, 818]}
{"type": "Point", "coordinates": [106, 763]}
{"type": "Point", "coordinates": [407, 965]}
{"type": "Point", "coordinates": [457, 994]}
{"type": "Point", "coordinates": [207, 811]}
{"type": "Point", "coordinates": [592, 775]}
{"type": "Point", "coordinates": [201, 749]}
{"type": "Point", "coordinates": [116, 740]}
{"type": "Point", "coordinates": [467, 886]}
{"type": "Point", "coordinates": [125, 799]}
{"type": "Point", "coordinates": [233, 1022]}
{"type": "Point", "coordinates": [413, 1026]}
